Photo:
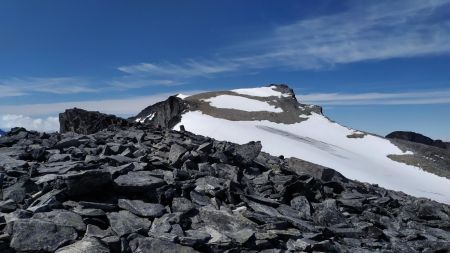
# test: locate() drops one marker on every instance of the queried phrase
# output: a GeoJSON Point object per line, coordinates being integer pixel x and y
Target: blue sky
{"type": "Point", "coordinates": [374, 65]}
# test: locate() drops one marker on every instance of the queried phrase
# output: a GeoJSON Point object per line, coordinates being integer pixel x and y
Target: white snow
{"type": "Point", "coordinates": [149, 117]}
{"type": "Point", "coordinates": [182, 96]}
{"type": "Point", "coordinates": [323, 142]}
{"type": "Point", "coordinates": [241, 103]}
{"type": "Point", "coordinates": [260, 92]}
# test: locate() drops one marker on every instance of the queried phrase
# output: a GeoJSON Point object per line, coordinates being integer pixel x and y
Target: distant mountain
{"type": "Point", "coordinates": [418, 138]}
{"type": "Point", "coordinates": [288, 128]}
{"type": "Point", "coordinates": [2, 132]}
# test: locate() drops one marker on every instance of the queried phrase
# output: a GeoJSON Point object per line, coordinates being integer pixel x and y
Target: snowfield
{"type": "Point", "coordinates": [260, 92]}
{"type": "Point", "coordinates": [241, 103]}
{"type": "Point", "coordinates": [320, 141]}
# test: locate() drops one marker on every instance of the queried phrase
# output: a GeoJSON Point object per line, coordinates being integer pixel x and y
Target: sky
{"type": "Point", "coordinates": [373, 65]}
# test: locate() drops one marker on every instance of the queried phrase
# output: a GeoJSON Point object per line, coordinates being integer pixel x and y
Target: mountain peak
{"type": "Point", "coordinates": [285, 127]}
{"type": "Point", "coordinates": [273, 102]}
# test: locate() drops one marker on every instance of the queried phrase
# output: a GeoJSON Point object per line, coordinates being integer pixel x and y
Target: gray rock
{"type": "Point", "coordinates": [7, 206]}
{"type": "Point", "coordinates": [58, 167]}
{"type": "Point", "coordinates": [68, 142]}
{"type": "Point", "coordinates": [248, 152]}
{"type": "Point", "coordinates": [59, 158]}
{"type": "Point", "coordinates": [164, 223]}
{"type": "Point", "coordinates": [182, 205]}
{"type": "Point", "coordinates": [138, 181]}
{"type": "Point", "coordinates": [94, 231]}
{"type": "Point", "coordinates": [87, 245]}
{"type": "Point", "coordinates": [86, 181]}
{"type": "Point", "coordinates": [327, 214]}
{"type": "Point", "coordinates": [141, 208]}
{"type": "Point", "coordinates": [151, 245]}
{"type": "Point", "coordinates": [124, 222]}
{"type": "Point", "coordinates": [302, 167]}
{"type": "Point", "coordinates": [301, 204]}
{"type": "Point", "coordinates": [98, 205]}
{"type": "Point", "coordinates": [89, 212]}
{"type": "Point", "coordinates": [176, 152]}
{"type": "Point", "coordinates": [18, 191]}
{"type": "Point", "coordinates": [222, 225]}
{"type": "Point", "coordinates": [10, 163]}
{"type": "Point", "coordinates": [36, 235]}
{"type": "Point", "coordinates": [46, 202]}
{"type": "Point", "coordinates": [62, 218]}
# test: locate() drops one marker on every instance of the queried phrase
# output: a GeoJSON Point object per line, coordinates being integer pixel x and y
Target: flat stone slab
{"type": "Point", "coordinates": [141, 208]}
{"type": "Point", "coordinates": [138, 181]}
{"type": "Point", "coordinates": [124, 222]}
{"type": "Point", "coordinates": [37, 235]}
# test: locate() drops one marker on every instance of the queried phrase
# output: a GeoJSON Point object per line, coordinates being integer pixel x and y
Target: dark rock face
{"type": "Point", "coordinates": [419, 138]}
{"type": "Point", "coordinates": [165, 114]}
{"type": "Point", "coordinates": [139, 189]}
{"type": "Point", "coordinates": [86, 122]}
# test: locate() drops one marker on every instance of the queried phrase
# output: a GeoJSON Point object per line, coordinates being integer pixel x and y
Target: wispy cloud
{"type": "Point", "coordinates": [133, 82]}
{"type": "Point", "coordinates": [401, 98]}
{"type": "Point", "coordinates": [367, 30]}
{"type": "Point", "coordinates": [14, 87]}
{"type": "Point", "coordinates": [188, 68]}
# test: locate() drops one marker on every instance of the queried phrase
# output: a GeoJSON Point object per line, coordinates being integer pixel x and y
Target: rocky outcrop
{"type": "Point", "coordinates": [418, 138]}
{"type": "Point", "coordinates": [164, 114]}
{"type": "Point", "coordinates": [87, 122]}
{"type": "Point", "coordinates": [139, 189]}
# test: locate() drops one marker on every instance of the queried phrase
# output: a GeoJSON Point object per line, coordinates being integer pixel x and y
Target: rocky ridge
{"type": "Point", "coordinates": [140, 189]}
{"type": "Point", "coordinates": [165, 114]}
{"type": "Point", "coordinates": [418, 138]}
{"type": "Point", "coordinates": [87, 122]}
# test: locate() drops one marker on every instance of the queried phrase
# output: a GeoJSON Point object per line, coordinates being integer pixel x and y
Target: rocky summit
{"type": "Point", "coordinates": [142, 189]}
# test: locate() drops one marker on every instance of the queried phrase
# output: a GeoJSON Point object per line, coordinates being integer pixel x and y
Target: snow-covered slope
{"type": "Point", "coordinates": [285, 127]}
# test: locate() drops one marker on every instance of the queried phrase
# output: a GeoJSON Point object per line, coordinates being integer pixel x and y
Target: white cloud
{"type": "Point", "coordinates": [49, 124]}
{"type": "Point", "coordinates": [400, 98]}
{"type": "Point", "coordinates": [367, 30]}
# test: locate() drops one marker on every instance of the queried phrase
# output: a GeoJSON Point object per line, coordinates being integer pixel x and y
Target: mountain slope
{"type": "Point", "coordinates": [2, 132]}
{"type": "Point", "coordinates": [286, 127]}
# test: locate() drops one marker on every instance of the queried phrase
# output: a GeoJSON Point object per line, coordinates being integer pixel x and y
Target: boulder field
{"type": "Point", "coordinates": [141, 189]}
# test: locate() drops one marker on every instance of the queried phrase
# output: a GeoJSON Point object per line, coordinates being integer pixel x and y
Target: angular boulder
{"type": "Point", "coordinates": [37, 235]}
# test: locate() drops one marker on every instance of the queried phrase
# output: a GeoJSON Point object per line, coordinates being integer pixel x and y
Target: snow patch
{"type": "Point", "coordinates": [261, 92]}
{"type": "Point", "coordinates": [182, 96]}
{"type": "Point", "coordinates": [149, 117]}
{"type": "Point", "coordinates": [323, 142]}
{"type": "Point", "coordinates": [241, 103]}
